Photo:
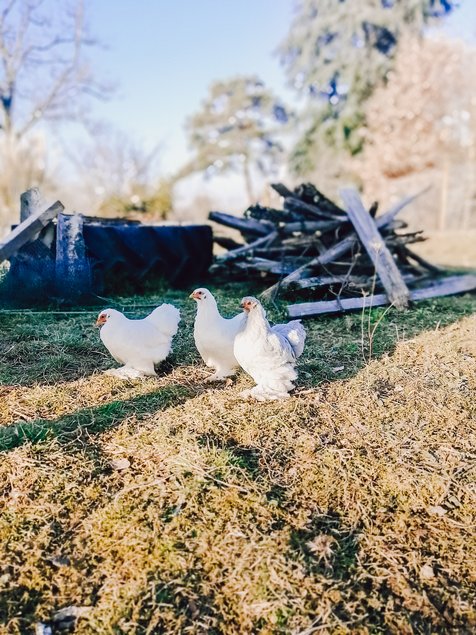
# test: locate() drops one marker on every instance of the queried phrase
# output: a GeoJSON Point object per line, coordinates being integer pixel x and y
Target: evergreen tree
{"type": "Point", "coordinates": [236, 129]}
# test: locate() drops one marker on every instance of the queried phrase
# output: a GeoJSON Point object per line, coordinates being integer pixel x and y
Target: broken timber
{"type": "Point", "coordinates": [235, 253]}
{"type": "Point", "coordinates": [28, 230]}
{"type": "Point", "coordinates": [245, 225]}
{"type": "Point", "coordinates": [373, 242]}
{"type": "Point", "coordinates": [338, 249]}
{"type": "Point", "coordinates": [347, 257]}
{"type": "Point", "coordinates": [451, 285]}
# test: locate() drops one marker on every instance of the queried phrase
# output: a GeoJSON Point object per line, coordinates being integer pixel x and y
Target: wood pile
{"type": "Point", "coordinates": [341, 258]}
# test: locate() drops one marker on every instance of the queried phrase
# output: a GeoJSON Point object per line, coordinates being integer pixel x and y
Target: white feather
{"type": "Point", "coordinates": [214, 335]}
{"type": "Point", "coordinates": [140, 344]}
{"type": "Point", "coordinates": [295, 333]}
{"type": "Point", "coordinates": [269, 354]}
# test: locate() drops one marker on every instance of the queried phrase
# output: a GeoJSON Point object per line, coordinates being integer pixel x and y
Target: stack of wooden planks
{"type": "Point", "coordinates": [339, 257]}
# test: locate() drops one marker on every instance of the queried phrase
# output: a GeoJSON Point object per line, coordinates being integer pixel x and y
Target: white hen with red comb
{"type": "Point", "coordinates": [138, 344]}
{"type": "Point", "coordinates": [268, 354]}
{"type": "Point", "coordinates": [214, 335]}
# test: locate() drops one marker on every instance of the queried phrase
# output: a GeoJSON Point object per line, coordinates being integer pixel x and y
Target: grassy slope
{"type": "Point", "coordinates": [350, 507]}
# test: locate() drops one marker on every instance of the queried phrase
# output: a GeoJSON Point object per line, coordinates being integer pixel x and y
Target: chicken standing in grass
{"type": "Point", "coordinates": [214, 335]}
{"type": "Point", "coordinates": [138, 344]}
{"type": "Point", "coordinates": [268, 353]}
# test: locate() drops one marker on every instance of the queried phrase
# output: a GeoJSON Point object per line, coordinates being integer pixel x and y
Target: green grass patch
{"type": "Point", "coordinates": [348, 508]}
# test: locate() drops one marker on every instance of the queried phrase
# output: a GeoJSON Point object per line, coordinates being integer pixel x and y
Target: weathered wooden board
{"type": "Point", "coordinates": [282, 190]}
{"type": "Point", "coordinates": [340, 248]}
{"type": "Point", "coordinates": [309, 227]}
{"type": "Point", "coordinates": [309, 193]}
{"type": "Point", "coordinates": [368, 232]}
{"type": "Point", "coordinates": [264, 265]}
{"type": "Point", "coordinates": [323, 281]}
{"type": "Point", "coordinates": [244, 225]}
{"type": "Point", "coordinates": [236, 253]}
{"type": "Point", "coordinates": [72, 269]}
{"type": "Point", "coordinates": [293, 204]}
{"type": "Point", "coordinates": [28, 230]}
{"type": "Point", "coordinates": [327, 256]}
{"type": "Point", "coordinates": [451, 285]}
{"type": "Point", "coordinates": [226, 242]}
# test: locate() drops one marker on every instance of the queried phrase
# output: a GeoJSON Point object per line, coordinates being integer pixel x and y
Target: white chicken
{"type": "Point", "coordinates": [214, 335]}
{"type": "Point", "coordinates": [268, 353]}
{"type": "Point", "coordinates": [138, 344]}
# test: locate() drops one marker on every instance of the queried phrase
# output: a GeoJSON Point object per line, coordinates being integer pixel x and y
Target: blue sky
{"type": "Point", "coordinates": [163, 54]}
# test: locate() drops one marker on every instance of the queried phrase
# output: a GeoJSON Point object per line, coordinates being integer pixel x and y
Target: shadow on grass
{"type": "Point", "coordinates": [48, 348]}
{"type": "Point", "coordinates": [327, 547]}
{"type": "Point", "coordinates": [336, 348]}
{"type": "Point", "coordinates": [91, 420]}
{"type": "Point", "coordinates": [244, 457]}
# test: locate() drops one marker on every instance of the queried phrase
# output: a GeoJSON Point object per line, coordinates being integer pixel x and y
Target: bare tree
{"type": "Point", "coordinates": [120, 177]}
{"type": "Point", "coordinates": [44, 77]}
{"type": "Point", "coordinates": [422, 126]}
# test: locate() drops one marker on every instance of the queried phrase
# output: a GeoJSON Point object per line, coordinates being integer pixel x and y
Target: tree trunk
{"type": "Point", "coordinates": [470, 190]}
{"type": "Point", "coordinates": [248, 183]}
{"type": "Point", "coordinates": [442, 220]}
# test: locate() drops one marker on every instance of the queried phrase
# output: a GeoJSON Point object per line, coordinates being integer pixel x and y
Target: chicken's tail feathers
{"type": "Point", "coordinates": [295, 333]}
{"type": "Point", "coordinates": [166, 317]}
{"type": "Point", "coordinates": [282, 379]}
{"type": "Point", "coordinates": [297, 336]}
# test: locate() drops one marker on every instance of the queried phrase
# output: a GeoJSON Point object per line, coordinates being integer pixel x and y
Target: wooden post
{"type": "Point", "coordinates": [373, 242]}
{"type": "Point", "coordinates": [29, 249]}
{"type": "Point", "coordinates": [72, 270]}
{"type": "Point", "coordinates": [30, 203]}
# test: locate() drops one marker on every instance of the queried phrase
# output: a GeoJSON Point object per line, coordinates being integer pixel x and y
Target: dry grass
{"type": "Point", "coordinates": [348, 508]}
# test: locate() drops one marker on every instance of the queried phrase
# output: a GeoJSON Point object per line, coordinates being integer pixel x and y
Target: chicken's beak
{"type": "Point", "coordinates": [194, 296]}
{"type": "Point", "coordinates": [100, 321]}
{"type": "Point", "coordinates": [247, 304]}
